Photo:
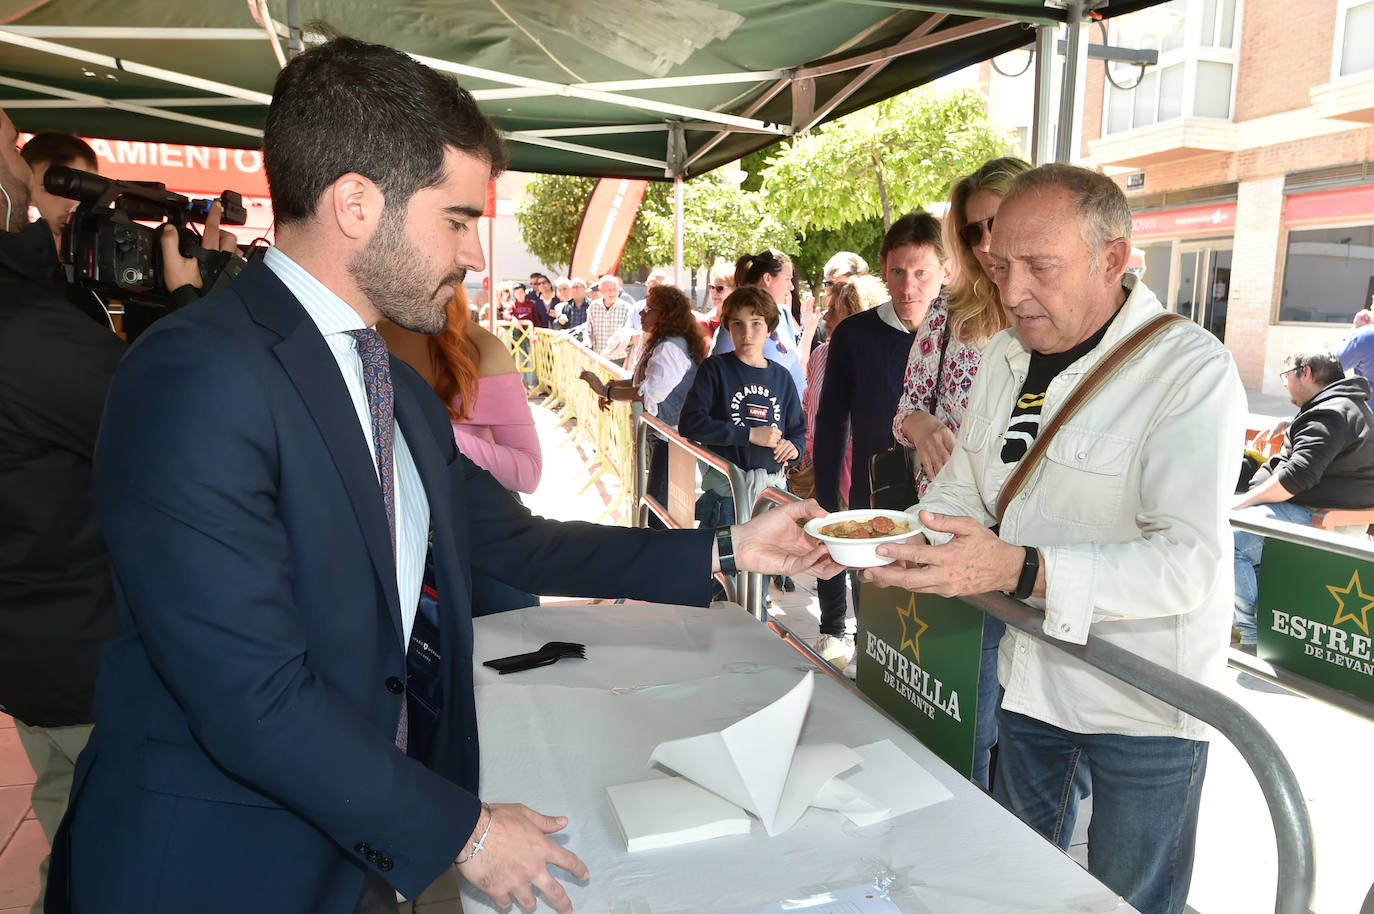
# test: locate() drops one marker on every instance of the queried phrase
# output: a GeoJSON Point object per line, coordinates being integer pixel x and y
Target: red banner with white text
{"type": "Point", "coordinates": [606, 224]}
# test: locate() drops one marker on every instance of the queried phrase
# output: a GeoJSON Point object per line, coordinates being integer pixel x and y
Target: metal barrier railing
{"type": "Point", "coordinates": [1338, 543]}
{"type": "Point", "coordinates": [736, 589]}
{"type": "Point", "coordinates": [558, 360]}
{"type": "Point", "coordinates": [1292, 825]}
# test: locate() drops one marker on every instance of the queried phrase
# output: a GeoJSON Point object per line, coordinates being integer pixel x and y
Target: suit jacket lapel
{"type": "Point", "coordinates": [455, 625]}
{"type": "Point", "coordinates": [434, 472]}
{"type": "Point", "coordinates": [307, 360]}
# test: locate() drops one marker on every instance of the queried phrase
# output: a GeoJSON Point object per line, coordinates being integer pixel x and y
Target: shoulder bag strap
{"type": "Point", "coordinates": [940, 365]}
{"type": "Point", "coordinates": [1101, 372]}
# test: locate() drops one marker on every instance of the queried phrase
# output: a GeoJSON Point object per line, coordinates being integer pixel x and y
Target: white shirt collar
{"type": "Point", "coordinates": [330, 313]}
{"type": "Point", "coordinates": [887, 313]}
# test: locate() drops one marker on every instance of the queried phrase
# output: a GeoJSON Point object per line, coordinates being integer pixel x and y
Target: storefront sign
{"type": "Point", "coordinates": [918, 658]}
{"type": "Point", "coordinates": [1192, 222]}
{"type": "Point", "coordinates": [1347, 206]}
{"type": "Point", "coordinates": [1315, 610]}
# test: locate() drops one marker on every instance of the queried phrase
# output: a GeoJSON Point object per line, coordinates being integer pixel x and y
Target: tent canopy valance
{"type": "Point", "coordinates": [632, 88]}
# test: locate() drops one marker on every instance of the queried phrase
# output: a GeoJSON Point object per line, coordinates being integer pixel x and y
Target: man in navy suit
{"type": "Point", "coordinates": [279, 725]}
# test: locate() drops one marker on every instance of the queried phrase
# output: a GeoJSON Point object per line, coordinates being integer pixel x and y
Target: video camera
{"type": "Point", "coordinates": [106, 249]}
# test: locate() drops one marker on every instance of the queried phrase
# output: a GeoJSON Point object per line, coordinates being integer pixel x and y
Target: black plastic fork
{"type": "Point", "coordinates": [549, 653]}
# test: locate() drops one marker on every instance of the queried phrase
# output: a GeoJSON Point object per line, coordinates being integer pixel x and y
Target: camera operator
{"type": "Point", "coordinates": [57, 604]}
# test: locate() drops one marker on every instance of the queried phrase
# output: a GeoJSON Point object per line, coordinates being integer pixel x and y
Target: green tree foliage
{"type": "Point", "coordinates": [833, 190]}
{"type": "Point", "coordinates": [551, 211]}
{"type": "Point", "coordinates": [888, 159]}
{"type": "Point", "coordinates": [719, 220]}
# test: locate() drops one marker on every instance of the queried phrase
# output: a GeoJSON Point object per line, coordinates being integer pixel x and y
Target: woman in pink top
{"type": "Point", "coordinates": [473, 373]}
{"type": "Point", "coordinates": [475, 376]}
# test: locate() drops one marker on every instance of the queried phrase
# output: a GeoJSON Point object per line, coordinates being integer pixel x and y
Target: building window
{"type": "Point", "coordinates": [1328, 274]}
{"type": "Point", "coordinates": [1196, 40]}
{"type": "Point", "coordinates": [1354, 38]}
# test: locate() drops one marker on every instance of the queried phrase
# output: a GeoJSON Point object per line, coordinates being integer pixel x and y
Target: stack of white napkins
{"type": "Point", "coordinates": [756, 765]}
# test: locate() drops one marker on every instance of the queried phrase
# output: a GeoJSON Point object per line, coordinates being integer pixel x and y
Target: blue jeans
{"type": "Point", "coordinates": [1146, 791]}
{"type": "Point", "coordinates": [989, 696]}
{"type": "Point", "coordinates": [1249, 546]}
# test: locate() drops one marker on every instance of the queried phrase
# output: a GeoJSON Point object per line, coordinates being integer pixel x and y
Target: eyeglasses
{"type": "Point", "coordinates": [972, 234]}
{"type": "Point", "coordinates": [1283, 375]}
{"type": "Point", "coordinates": [721, 289]}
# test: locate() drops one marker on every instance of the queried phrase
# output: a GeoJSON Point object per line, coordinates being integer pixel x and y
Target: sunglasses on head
{"type": "Point", "coordinates": [972, 234]}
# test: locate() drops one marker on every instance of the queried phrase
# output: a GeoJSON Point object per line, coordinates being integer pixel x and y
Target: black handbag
{"type": "Point", "coordinates": [892, 472]}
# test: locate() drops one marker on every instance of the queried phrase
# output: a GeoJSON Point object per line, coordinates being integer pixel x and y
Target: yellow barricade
{"type": "Point", "coordinates": [557, 361]}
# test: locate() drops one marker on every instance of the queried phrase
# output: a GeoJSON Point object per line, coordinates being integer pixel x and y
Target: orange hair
{"type": "Point", "coordinates": [455, 359]}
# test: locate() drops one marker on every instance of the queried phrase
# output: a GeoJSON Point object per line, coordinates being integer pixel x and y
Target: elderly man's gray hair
{"type": "Point", "coordinates": [1103, 211]}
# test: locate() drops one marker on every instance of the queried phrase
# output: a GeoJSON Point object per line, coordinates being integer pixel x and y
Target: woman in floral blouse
{"type": "Point", "coordinates": [928, 419]}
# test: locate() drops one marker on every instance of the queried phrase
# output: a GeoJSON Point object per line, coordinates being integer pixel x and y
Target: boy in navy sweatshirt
{"type": "Point", "coordinates": [743, 406]}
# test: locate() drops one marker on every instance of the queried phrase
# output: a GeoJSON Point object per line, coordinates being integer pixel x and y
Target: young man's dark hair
{"type": "Point", "coordinates": [347, 106]}
{"type": "Point", "coordinates": [1326, 366]}
{"type": "Point", "coordinates": [57, 149]}
{"type": "Point", "coordinates": [754, 298]}
{"type": "Point", "coordinates": [520, 286]}
{"type": "Point", "coordinates": [920, 229]}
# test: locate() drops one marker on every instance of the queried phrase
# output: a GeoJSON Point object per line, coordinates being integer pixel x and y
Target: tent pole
{"type": "Point", "coordinates": [294, 43]}
{"type": "Point", "coordinates": [1042, 139]}
{"type": "Point", "coordinates": [677, 230]}
{"type": "Point", "coordinates": [1073, 88]}
{"type": "Point", "coordinates": [491, 271]}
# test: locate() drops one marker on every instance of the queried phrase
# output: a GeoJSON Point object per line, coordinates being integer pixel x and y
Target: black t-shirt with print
{"type": "Point", "coordinates": [1024, 424]}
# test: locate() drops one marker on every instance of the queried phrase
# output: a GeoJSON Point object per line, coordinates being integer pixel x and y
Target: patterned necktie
{"type": "Point", "coordinates": [381, 404]}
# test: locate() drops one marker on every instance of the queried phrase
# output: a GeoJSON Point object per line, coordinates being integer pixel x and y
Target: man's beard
{"type": "Point", "coordinates": [387, 272]}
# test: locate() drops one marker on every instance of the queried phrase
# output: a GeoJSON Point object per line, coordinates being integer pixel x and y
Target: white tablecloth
{"type": "Point", "coordinates": [555, 738]}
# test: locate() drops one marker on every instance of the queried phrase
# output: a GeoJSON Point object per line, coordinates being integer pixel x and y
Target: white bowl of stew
{"type": "Point", "coordinates": [853, 537]}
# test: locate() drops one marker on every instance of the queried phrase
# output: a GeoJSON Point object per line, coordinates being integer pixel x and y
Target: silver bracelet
{"type": "Point", "coordinates": [477, 845]}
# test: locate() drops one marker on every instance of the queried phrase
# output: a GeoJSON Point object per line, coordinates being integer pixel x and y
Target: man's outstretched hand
{"type": "Point", "coordinates": [774, 543]}
{"type": "Point", "coordinates": [515, 858]}
{"type": "Point", "coordinates": [975, 560]}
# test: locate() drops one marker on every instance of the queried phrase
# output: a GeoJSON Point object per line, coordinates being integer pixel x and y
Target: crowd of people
{"type": "Point", "coordinates": [288, 503]}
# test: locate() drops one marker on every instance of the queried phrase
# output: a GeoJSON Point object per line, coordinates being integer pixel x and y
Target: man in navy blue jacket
{"type": "Point", "coordinates": [862, 385]}
{"type": "Point", "coordinates": [281, 724]}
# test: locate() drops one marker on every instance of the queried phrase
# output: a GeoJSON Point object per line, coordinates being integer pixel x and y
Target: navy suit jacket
{"type": "Point", "coordinates": [243, 757]}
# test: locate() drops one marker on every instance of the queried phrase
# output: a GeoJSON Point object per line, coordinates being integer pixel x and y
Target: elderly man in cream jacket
{"type": "Point", "coordinates": [1122, 528]}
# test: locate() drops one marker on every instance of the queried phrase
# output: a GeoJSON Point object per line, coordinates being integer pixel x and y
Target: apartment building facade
{"type": "Point", "coordinates": [1246, 154]}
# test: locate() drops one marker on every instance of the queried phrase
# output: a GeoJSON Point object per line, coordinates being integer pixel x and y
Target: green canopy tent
{"type": "Point", "coordinates": [612, 88]}
{"type": "Point", "coordinates": [631, 88]}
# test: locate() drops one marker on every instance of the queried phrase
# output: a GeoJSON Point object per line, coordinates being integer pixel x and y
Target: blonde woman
{"type": "Point", "coordinates": [928, 420]}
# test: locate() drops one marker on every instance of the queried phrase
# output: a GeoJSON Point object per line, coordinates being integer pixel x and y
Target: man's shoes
{"type": "Point", "coordinates": [835, 650]}
{"type": "Point", "coordinates": [785, 584]}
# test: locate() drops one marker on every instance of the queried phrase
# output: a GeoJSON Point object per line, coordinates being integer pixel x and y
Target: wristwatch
{"type": "Point", "coordinates": [725, 550]}
{"type": "Point", "coordinates": [1029, 572]}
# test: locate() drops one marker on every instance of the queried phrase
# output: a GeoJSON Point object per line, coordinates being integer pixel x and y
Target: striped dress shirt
{"type": "Point", "coordinates": [335, 318]}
